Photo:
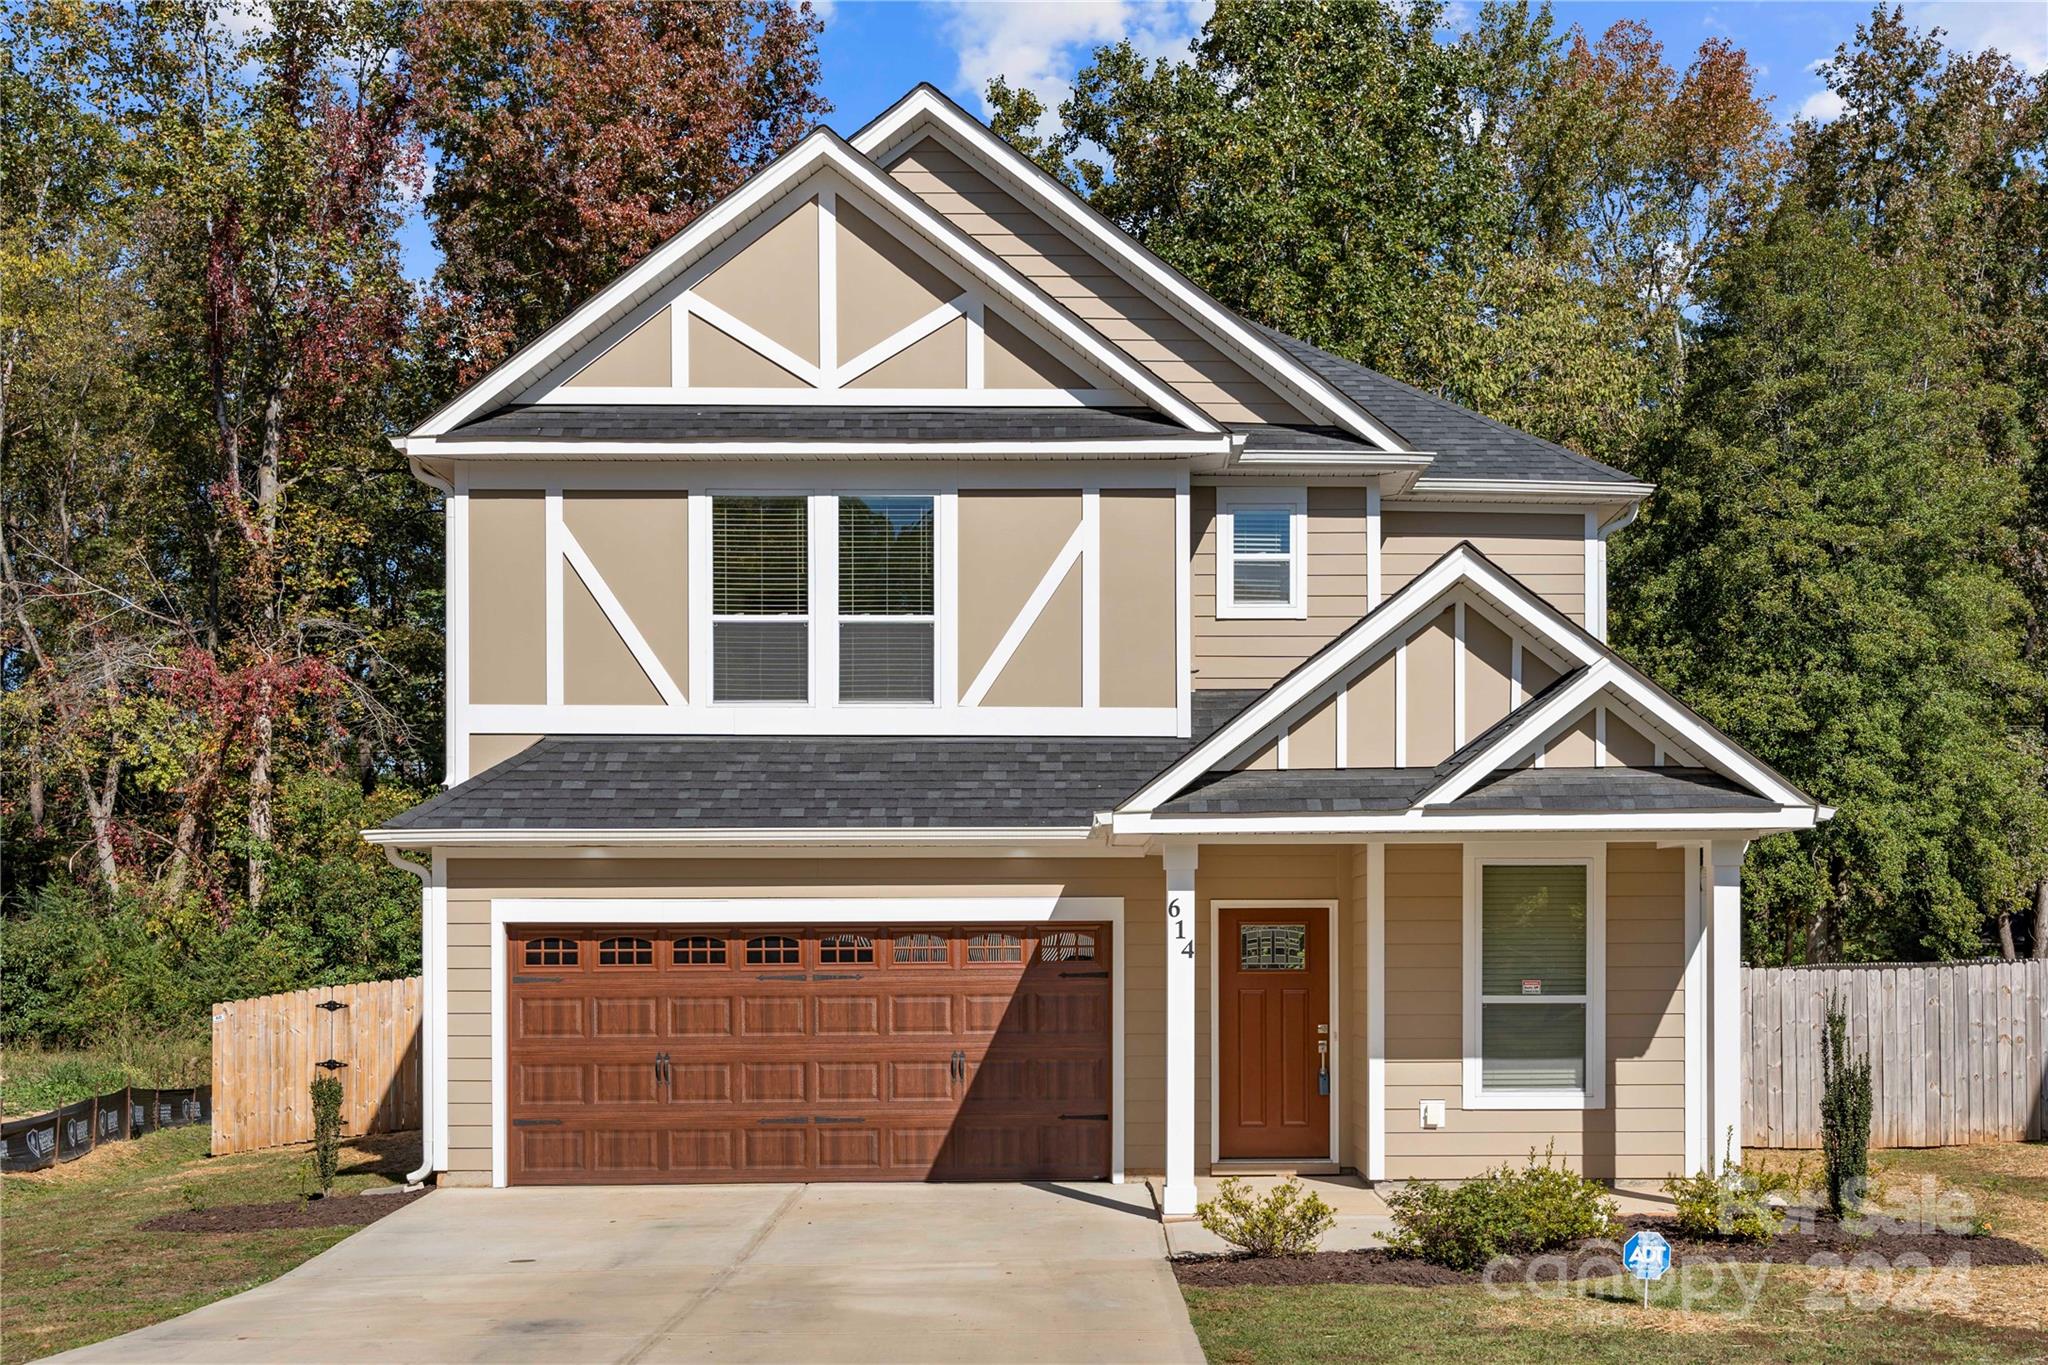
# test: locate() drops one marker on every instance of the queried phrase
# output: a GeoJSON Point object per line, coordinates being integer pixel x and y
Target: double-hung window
{"type": "Point", "coordinates": [1262, 562]}
{"type": "Point", "coordinates": [1534, 994]}
{"type": "Point", "coordinates": [760, 599]}
{"type": "Point", "coordinates": [886, 620]}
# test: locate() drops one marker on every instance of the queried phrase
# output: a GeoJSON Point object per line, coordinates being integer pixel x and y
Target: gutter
{"type": "Point", "coordinates": [1062, 835]}
{"type": "Point", "coordinates": [428, 971]}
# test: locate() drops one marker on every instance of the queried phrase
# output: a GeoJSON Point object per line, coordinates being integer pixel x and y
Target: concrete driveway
{"type": "Point", "coordinates": [989, 1273]}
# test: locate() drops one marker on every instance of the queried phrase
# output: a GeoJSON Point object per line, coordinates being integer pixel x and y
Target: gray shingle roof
{"type": "Point", "coordinates": [581, 782]}
{"type": "Point", "coordinates": [1467, 444]}
{"type": "Point", "coordinates": [761, 422]}
{"type": "Point", "coordinates": [1295, 438]}
{"type": "Point", "coordinates": [1366, 790]}
{"type": "Point", "coordinates": [1610, 789]}
{"type": "Point", "coordinates": [1312, 791]}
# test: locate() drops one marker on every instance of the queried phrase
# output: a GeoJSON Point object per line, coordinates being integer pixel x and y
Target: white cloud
{"type": "Point", "coordinates": [1040, 44]}
{"type": "Point", "coordinates": [2020, 30]}
{"type": "Point", "coordinates": [1822, 106]}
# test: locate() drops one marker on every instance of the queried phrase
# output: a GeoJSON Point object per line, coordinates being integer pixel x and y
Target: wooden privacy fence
{"type": "Point", "coordinates": [1958, 1051]}
{"type": "Point", "coordinates": [267, 1050]}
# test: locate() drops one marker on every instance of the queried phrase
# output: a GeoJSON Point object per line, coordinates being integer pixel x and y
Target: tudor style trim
{"type": "Point", "coordinates": [820, 149]}
{"type": "Point", "coordinates": [928, 107]}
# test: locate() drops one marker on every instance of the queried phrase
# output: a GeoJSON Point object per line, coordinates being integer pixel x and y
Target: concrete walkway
{"type": "Point", "coordinates": [989, 1273]}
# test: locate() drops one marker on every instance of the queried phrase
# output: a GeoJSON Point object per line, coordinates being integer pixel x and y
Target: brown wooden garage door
{"type": "Point", "coordinates": [932, 1053]}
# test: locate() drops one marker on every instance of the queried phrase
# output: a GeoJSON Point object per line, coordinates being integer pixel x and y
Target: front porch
{"type": "Point", "coordinates": [1357, 1050]}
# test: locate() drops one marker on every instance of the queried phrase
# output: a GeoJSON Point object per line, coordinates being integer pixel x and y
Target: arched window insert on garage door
{"type": "Point", "coordinates": [773, 950]}
{"type": "Point", "coordinates": [846, 949]}
{"type": "Point", "coordinates": [923, 950]}
{"type": "Point", "coordinates": [700, 950]}
{"type": "Point", "coordinates": [551, 952]}
{"type": "Point", "coordinates": [1067, 945]}
{"type": "Point", "coordinates": [995, 948]}
{"type": "Point", "coordinates": [625, 952]}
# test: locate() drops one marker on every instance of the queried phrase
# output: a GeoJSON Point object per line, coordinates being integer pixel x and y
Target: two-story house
{"type": "Point", "coordinates": [931, 694]}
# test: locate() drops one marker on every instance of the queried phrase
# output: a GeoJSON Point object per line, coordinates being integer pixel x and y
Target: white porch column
{"type": "Point", "coordinates": [1179, 1196]}
{"type": "Point", "coordinates": [1724, 1005]}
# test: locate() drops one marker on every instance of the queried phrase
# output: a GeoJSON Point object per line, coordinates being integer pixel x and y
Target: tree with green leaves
{"type": "Point", "coordinates": [1824, 574]}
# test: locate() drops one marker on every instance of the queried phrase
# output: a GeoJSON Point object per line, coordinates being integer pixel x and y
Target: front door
{"type": "Point", "coordinates": [1273, 983]}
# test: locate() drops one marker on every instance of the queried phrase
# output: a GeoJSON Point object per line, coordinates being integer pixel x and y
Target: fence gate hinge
{"type": "Point", "coordinates": [330, 1065]}
{"type": "Point", "coordinates": [332, 1005]}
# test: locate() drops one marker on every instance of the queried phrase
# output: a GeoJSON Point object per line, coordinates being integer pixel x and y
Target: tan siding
{"type": "Point", "coordinates": [639, 543]}
{"type": "Point", "coordinates": [1369, 719]}
{"type": "Point", "coordinates": [938, 361]}
{"type": "Point", "coordinates": [1139, 662]}
{"type": "Point", "coordinates": [718, 361]}
{"type": "Point", "coordinates": [1258, 653]}
{"type": "Point", "coordinates": [597, 668]}
{"type": "Point", "coordinates": [1627, 747]}
{"type": "Point", "coordinates": [1489, 672]}
{"type": "Point", "coordinates": [772, 285]}
{"type": "Point", "coordinates": [1087, 287]}
{"type": "Point", "coordinates": [1313, 742]}
{"type": "Point", "coordinates": [507, 598]}
{"type": "Point", "coordinates": [1575, 747]}
{"type": "Point", "coordinates": [1430, 692]}
{"type": "Point", "coordinates": [884, 286]}
{"type": "Point", "coordinates": [1011, 360]}
{"type": "Point", "coordinates": [1640, 1135]}
{"type": "Point", "coordinates": [1545, 550]}
{"type": "Point", "coordinates": [640, 359]}
{"type": "Point", "coordinates": [487, 751]}
{"type": "Point", "coordinates": [1007, 542]}
{"type": "Point", "coordinates": [1046, 669]}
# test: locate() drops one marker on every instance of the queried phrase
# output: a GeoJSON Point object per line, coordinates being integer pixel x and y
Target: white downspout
{"type": "Point", "coordinates": [429, 971]}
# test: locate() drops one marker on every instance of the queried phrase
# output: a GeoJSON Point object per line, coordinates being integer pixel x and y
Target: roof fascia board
{"type": "Point", "coordinates": [1460, 564]}
{"type": "Point", "coordinates": [926, 106]}
{"type": "Point", "coordinates": [545, 448]}
{"type": "Point", "coordinates": [1421, 824]}
{"type": "Point", "coordinates": [822, 148]}
{"type": "Point", "coordinates": [749, 837]}
{"type": "Point", "coordinates": [1438, 489]}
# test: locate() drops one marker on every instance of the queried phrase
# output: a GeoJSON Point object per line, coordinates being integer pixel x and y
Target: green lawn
{"type": "Point", "coordinates": [78, 1269]}
{"type": "Point", "coordinates": [1784, 1313]}
{"type": "Point", "coordinates": [34, 1080]}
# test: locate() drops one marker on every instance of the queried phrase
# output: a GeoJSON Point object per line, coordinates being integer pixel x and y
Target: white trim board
{"type": "Point", "coordinates": [1332, 951]}
{"type": "Point", "coordinates": [819, 910]}
{"type": "Point", "coordinates": [822, 150]}
{"type": "Point", "coordinates": [926, 110]}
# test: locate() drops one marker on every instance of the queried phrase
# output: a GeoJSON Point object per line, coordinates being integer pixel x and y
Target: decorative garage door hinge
{"type": "Point", "coordinates": [821, 1119]}
{"type": "Point", "coordinates": [1096, 1118]}
{"type": "Point", "coordinates": [536, 1123]}
{"type": "Point", "coordinates": [536, 980]}
{"type": "Point", "coordinates": [770, 1123]}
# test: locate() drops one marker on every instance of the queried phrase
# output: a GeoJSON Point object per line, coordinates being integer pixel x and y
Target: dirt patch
{"type": "Point", "coordinates": [335, 1211]}
{"type": "Point", "coordinates": [1599, 1259]}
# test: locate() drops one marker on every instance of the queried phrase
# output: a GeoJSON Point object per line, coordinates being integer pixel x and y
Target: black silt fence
{"type": "Point", "coordinates": [67, 1133]}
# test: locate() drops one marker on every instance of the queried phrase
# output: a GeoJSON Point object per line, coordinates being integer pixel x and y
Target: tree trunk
{"type": "Point", "coordinates": [259, 799]}
{"type": "Point", "coordinates": [99, 808]}
{"type": "Point", "coordinates": [2006, 948]}
{"type": "Point", "coordinates": [2041, 918]}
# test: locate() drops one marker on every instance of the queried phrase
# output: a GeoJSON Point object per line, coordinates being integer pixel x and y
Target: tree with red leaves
{"type": "Point", "coordinates": [571, 139]}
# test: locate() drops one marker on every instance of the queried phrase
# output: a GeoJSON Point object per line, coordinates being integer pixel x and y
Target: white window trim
{"type": "Point", "coordinates": [932, 618]}
{"type": "Point", "coordinates": [1228, 500]}
{"type": "Point", "coordinates": [807, 619]}
{"type": "Point", "coordinates": [1592, 857]}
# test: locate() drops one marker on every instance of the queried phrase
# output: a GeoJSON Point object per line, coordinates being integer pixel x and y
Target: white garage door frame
{"type": "Point", "coordinates": [510, 913]}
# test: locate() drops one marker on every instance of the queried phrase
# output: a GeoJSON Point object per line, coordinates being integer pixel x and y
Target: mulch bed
{"type": "Point", "coordinates": [335, 1211]}
{"type": "Point", "coordinates": [1597, 1259]}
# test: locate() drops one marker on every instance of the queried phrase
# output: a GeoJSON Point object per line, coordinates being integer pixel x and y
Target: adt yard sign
{"type": "Point", "coordinates": [1648, 1257]}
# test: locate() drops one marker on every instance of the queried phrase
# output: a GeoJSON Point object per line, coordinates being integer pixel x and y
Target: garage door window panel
{"type": "Point", "coordinates": [774, 950]}
{"type": "Point", "coordinates": [551, 952]}
{"type": "Point", "coordinates": [922, 950]}
{"type": "Point", "coordinates": [846, 950]}
{"type": "Point", "coordinates": [700, 950]}
{"type": "Point", "coordinates": [625, 952]}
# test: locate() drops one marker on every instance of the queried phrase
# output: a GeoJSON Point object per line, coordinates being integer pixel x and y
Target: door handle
{"type": "Point", "coordinates": [958, 1066]}
{"type": "Point", "coordinates": [664, 1076]}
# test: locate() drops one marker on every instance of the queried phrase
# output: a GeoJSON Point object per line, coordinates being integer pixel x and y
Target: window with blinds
{"type": "Point", "coordinates": [1533, 996]}
{"type": "Point", "coordinates": [886, 648]}
{"type": "Point", "coordinates": [1262, 571]}
{"type": "Point", "coordinates": [760, 599]}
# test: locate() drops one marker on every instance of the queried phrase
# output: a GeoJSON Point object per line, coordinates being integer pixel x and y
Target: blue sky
{"type": "Point", "coordinates": [874, 50]}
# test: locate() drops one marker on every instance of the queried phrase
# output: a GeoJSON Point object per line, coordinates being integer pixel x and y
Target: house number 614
{"type": "Point", "coordinates": [1176, 912]}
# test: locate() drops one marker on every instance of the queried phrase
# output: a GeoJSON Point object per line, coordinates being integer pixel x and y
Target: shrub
{"type": "Point", "coordinates": [1732, 1203]}
{"type": "Point", "coordinates": [1507, 1212]}
{"type": "Point", "coordinates": [1844, 1114]}
{"type": "Point", "coordinates": [326, 1131]}
{"type": "Point", "coordinates": [1286, 1222]}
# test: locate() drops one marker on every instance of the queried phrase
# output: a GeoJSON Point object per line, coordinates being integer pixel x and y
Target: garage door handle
{"type": "Point", "coordinates": [536, 980]}
{"type": "Point", "coordinates": [835, 976]}
{"type": "Point", "coordinates": [781, 976]}
{"type": "Point", "coordinates": [773, 1123]}
{"type": "Point", "coordinates": [823, 1118]}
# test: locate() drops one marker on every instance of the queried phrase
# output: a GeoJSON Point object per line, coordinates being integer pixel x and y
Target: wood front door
{"type": "Point", "coordinates": [962, 1052]}
{"type": "Point", "coordinates": [1273, 984]}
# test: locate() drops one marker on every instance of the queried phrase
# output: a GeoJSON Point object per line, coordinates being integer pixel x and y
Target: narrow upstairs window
{"type": "Point", "coordinates": [886, 649]}
{"type": "Point", "coordinates": [1263, 563]}
{"type": "Point", "coordinates": [760, 599]}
